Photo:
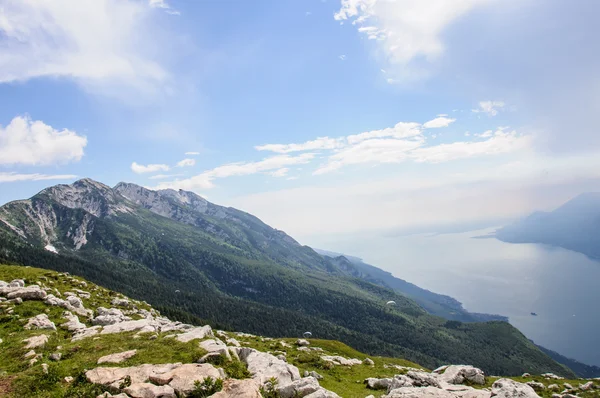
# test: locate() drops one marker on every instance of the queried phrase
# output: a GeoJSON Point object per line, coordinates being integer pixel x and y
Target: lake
{"type": "Point", "coordinates": [514, 280]}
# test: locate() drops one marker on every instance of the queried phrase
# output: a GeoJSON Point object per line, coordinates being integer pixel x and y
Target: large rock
{"type": "Point", "coordinates": [322, 393]}
{"type": "Point", "coordinates": [36, 341]}
{"type": "Point", "coordinates": [378, 384]}
{"type": "Point", "coordinates": [457, 374]}
{"type": "Point", "coordinates": [338, 360]}
{"type": "Point", "coordinates": [40, 321]}
{"type": "Point", "coordinates": [109, 316]}
{"type": "Point", "coordinates": [55, 301]}
{"type": "Point", "coordinates": [400, 381]}
{"type": "Point", "coordinates": [111, 376]}
{"type": "Point", "coordinates": [32, 292]}
{"type": "Point", "coordinates": [148, 390]}
{"type": "Point", "coordinates": [182, 378]}
{"type": "Point", "coordinates": [263, 366]}
{"type": "Point", "coordinates": [233, 388]}
{"type": "Point", "coordinates": [461, 391]}
{"type": "Point", "coordinates": [216, 346]}
{"type": "Point", "coordinates": [507, 388]}
{"type": "Point", "coordinates": [419, 392]}
{"type": "Point", "coordinates": [299, 388]}
{"type": "Point", "coordinates": [141, 325]}
{"type": "Point", "coordinates": [423, 379]}
{"type": "Point", "coordinates": [85, 333]}
{"type": "Point", "coordinates": [117, 358]}
{"type": "Point", "coordinates": [72, 324]}
{"type": "Point", "coordinates": [196, 333]}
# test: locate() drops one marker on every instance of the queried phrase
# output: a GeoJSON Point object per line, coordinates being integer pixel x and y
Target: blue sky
{"type": "Point", "coordinates": [320, 117]}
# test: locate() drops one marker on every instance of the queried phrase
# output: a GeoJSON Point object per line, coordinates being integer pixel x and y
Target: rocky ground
{"type": "Point", "coordinates": [61, 336]}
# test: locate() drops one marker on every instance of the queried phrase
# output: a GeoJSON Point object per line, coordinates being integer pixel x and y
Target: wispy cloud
{"type": "Point", "coordinates": [491, 108]}
{"type": "Point", "coordinates": [163, 5]}
{"type": "Point", "coordinates": [98, 43]}
{"type": "Point", "coordinates": [192, 153]}
{"type": "Point", "coordinates": [409, 32]}
{"type": "Point", "coordinates": [186, 163]}
{"type": "Point", "coordinates": [440, 121]}
{"type": "Point", "coordinates": [13, 177]}
{"type": "Point", "coordinates": [151, 168]}
{"type": "Point", "coordinates": [342, 57]}
{"type": "Point", "coordinates": [206, 179]}
{"type": "Point", "coordinates": [29, 142]}
{"type": "Point", "coordinates": [164, 176]}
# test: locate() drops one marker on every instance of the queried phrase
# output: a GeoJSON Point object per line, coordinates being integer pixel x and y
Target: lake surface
{"type": "Point", "coordinates": [487, 275]}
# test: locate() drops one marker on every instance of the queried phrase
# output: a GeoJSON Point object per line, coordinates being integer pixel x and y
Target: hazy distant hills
{"type": "Point", "coordinates": [437, 304]}
{"type": "Point", "coordinates": [574, 226]}
{"type": "Point", "coordinates": [199, 262]}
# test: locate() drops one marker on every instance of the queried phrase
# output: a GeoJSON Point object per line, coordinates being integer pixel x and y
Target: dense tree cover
{"type": "Point", "coordinates": [235, 292]}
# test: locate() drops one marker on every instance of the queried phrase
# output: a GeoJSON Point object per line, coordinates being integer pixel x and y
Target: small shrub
{"type": "Point", "coordinates": [206, 388]}
{"type": "Point", "coordinates": [125, 383]}
{"type": "Point", "coordinates": [269, 390]}
{"type": "Point", "coordinates": [236, 370]}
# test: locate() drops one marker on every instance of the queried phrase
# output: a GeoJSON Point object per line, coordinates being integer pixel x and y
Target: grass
{"type": "Point", "coordinates": [18, 379]}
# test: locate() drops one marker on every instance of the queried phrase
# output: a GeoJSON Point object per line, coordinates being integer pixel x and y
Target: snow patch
{"type": "Point", "coordinates": [51, 248]}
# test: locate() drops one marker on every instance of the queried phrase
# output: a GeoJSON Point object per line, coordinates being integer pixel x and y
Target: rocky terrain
{"type": "Point", "coordinates": [62, 336]}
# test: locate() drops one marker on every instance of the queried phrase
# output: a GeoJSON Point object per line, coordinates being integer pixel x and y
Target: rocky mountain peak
{"type": "Point", "coordinates": [87, 194]}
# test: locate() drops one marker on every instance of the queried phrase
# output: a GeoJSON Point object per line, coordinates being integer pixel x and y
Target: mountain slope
{"type": "Point", "coordinates": [193, 259]}
{"type": "Point", "coordinates": [574, 226]}
{"type": "Point", "coordinates": [436, 304]}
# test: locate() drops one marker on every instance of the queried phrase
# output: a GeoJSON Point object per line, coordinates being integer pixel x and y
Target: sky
{"type": "Point", "coordinates": [321, 117]}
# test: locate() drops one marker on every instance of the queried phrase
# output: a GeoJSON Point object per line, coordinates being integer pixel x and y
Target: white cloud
{"type": "Point", "coordinates": [280, 173]}
{"type": "Point", "coordinates": [206, 179]}
{"type": "Point", "coordinates": [94, 42]}
{"type": "Point", "coordinates": [490, 108]}
{"type": "Point", "coordinates": [151, 168]}
{"type": "Point", "coordinates": [342, 57]}
{"type": "Point", "coordinates": [163, 5]}
{"type": "Point", "coordinates": [485, 134]}
{"type": "Point", "coordinates": [319, 143]}
{"type": "Point", "coordinates": [29, 142]}
{"type": "Point", "coordinates": [400, 130]}
{"type": "Point", "coordinates": [186, 163]}
{"type": "Point", "coordinates": [192, 153]}
{"type": "Point", "coordinates": [440, 121]}
{"type": "Point", "coordinates": [409, 31]}
{"type": "Point", "coordinates": [372, 151]}
{"type": "Point", "coordinates": [500, 142]}
{"type": "Point", "coordinates": [13, 177]}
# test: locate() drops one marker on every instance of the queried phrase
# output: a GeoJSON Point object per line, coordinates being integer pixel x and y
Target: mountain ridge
{"type": "Point", "coordinates": [233, 270]}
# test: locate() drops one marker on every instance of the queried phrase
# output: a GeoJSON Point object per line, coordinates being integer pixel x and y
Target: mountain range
{"type": "Point", "coordinates": [199, 262]}
{"type": "Point", "coordinates": [575, 226]}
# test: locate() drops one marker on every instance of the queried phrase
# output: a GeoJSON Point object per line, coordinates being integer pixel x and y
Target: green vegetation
{"type": "Point", "coordinates": [206, 388]}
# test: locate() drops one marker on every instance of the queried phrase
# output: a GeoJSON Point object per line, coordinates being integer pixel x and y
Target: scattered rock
{"type": "Point", "coordinates": [457, 374]}
{"type": "Point", "coordinates": [141, 325]}
{"type": "Point", "coordinates": [536, 385]}
{"type": "Point", "coordinates": [40, 321]}
{"type": "Point", "coordinates": [109, 316]}
{"type": "Point", "coordinates": [322, 393]}
{"type": "Point", "coordinates": [302, 342]}
{"type": "Point", "coordinates": [568, 386]}
{"type": "Point", "coordinates": [216, 346]}
{"type": "Point", "coordinates": [148, 390]}
{"type": "Point", "coordinates": [120, 302]}
{"type": "Point", "coordinates": [112, 376]}
{"type": "Point", "coordinates": [182, 378]}
{"type": "Point", "coordinates": [553, 387]}
{"type": "Point", "coordinates": [587, 386]}
{"type": "Point", "coordinates": [338, 360]}
{"type": "Point", "coordinates": [45, 368]}
{"type": "Point", "coordinates": [298, 388]}
{"type": "Point", "coordinates": [29, 354]}
{"type": "Point", "coordinates": [263, 366]}
{"type": "Point", "coordinates": [423, 379]}
{"type": "Point", "coordinates": [68, 379]}
{"type": "Point", "coordinates": [55, 356]}
{"type": "Point", "coordinates": [378, 384]}
{"type": "Point", "coordinates": [419, 392]}
{"type": "Point", "coordinates": [233, 388]}
{"type": "Point", "coordinates": [507, 388]}
{"type": "Point", "coordinates": [36, 341]}
{"type": "Point", "coordinates": [32, 292]}
{"type": "Point", "coordinates": [195, 333]}
{"type": "Point", "coordinates": [117, 358]}
{"type": "Point", "coordinates": [368, 362]}
{"type": "Point", "coordinates": [233, 342]}
{"type": "Point", "coordinates": [85, 333]}
{"type": "Point", "coordinates": [525, 375]}
{"type": "Point", "coordinates": [72, 324]}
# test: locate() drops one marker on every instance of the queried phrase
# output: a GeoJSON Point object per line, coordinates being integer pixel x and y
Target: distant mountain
{"type": "Point", "coordinates": [574, 226]}
{"type": "Point", "coordinates": [436, 304]}
{"type": "Point", "coordinates": [580, 369]}
{"type": "Point", "coordinates": [197, 261]}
